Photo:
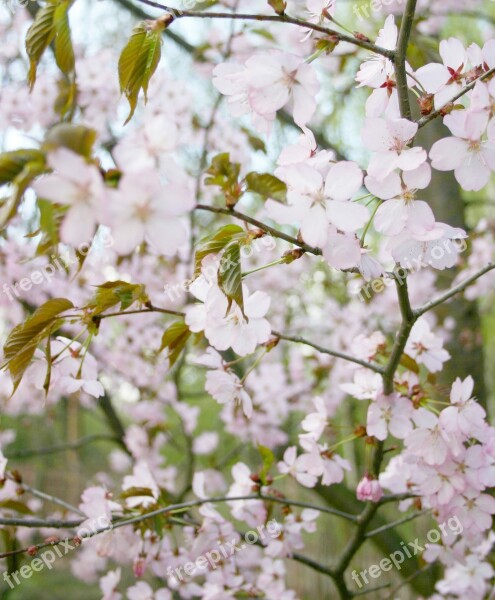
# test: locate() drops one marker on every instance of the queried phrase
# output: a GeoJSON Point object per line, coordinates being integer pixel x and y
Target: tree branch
{"type": "Point", "coordinates": [180, 14]}
{"type": "Point", "coordinates": [266, 228]}
{"type": "Point", "coordinates": [27, 453]}
{"type": "Point", "coordinates": [400, 58]}
{"type": "Point", "coordinates": [167, 510]}
{"type": "Point", "coordinates": [452, 292]}
{"type": "Point", "coordinates": [424, 120]}
{"type": "Point", "coordinates": [299, 340]}
{"type": "Point", "coordinates": [408, 320]}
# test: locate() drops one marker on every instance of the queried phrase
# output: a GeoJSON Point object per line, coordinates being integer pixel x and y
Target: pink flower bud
{"type": "Point", "coordinates": [369, 490]}
{"type": "Point", "coordinates": [139, 567]}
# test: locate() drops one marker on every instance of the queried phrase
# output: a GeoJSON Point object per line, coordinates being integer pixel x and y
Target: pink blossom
{"type": "Point", "coordinates": [78, 184]}
{"type": "Point", "coordinates": [445, 80]}
{"type": "Point", "coordinates": [465, 152]}
{"type": "Point", "coordinates": [389, 141]}
{"type": "Point", "coordinates": [142, 208]}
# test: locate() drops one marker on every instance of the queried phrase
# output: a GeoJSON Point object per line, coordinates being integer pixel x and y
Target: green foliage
{"type": "Point", "coordinates": [77, 138]}
{"type": "Point", "coordinates": [267, 186]}
{"type": "Point", "coordinates": [225, 174]}
{"type": "Point", "coordinates": [215, 243]}
{"type": "Point", "coordinates": [268, 461]}
{"type": "Point", "coordinates": [51, 24]}
{"type": "Point", "coordinates": [12, 163]}
{"type": "Point", "coordinates": [19, 168]}
{"type": "Point", "coordinates": [278, 6]}
{"type": "Point", "coordinates": [175, 339]}
{"type": "Point", "coordinates": [64, 52]}
{"type": "Point", "coordinates": [24, 338]}
{"type": "Point", "coordinates": [112, 293]}
{"type": "Point", "coordinates": [139, 60]}
{"type": "Point", "coordinates": [230, 274]}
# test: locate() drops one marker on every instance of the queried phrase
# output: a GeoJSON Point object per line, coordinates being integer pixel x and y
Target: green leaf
{"type": "Point", "coordinates": [12, 163]}
{"type": "Point", "coordinates": [39, 36]}
{"type": "Point", "coordinates": [78, 138]}
{"type": "Point", "coordinates": [267, 186]}
{"type": "Point", "coordinates": [278, 6]}
{"type": "Point", "coordinates": [20, 183]}
{"type": "Point", "coordinates": [215, 243]}
{"type": "Point", "coordinates": [268, 460]}
{"type": "Point", "coordinates": [225, 174]}
{"type": "Point", "coordinates": [24, 338]}
{"type": "Point", "coordinates": [409, 363]}
{"type": "Point", "coordinates": [64, 52]}
{"type": "Point", "coordinates": [135, 491]}
{"type": "Point", "coordinates": [112, 293]}
{"type": "Point", "coordinates": [175, 338]}
{"type": "Point", "coordinates": [19, 507]}
{"type": "Point", "coordinates": [139, 60]}
{"type": "Point", "coordinates": [51, 217]}
{"type": "Point", "coordinates": [255, 142]}
{"type": "Point", "coordinates": [230, 274]}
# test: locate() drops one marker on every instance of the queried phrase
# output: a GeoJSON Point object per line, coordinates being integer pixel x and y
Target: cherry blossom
{"type": "Point", "coordinates": [445, 80]}
{"type": "Point", "coordinates": [142, 208]}
{"type": "Point", "coordinates": [266, 83]}
{"type": "Point", "coordinates": [77, 184]}
{"type": "Point", "coordinates": [389, 139]}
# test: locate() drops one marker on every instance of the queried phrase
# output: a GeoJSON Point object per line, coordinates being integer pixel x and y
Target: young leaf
{"type": "Point", "coordinates": [64, 52]}
{"type": "Point", "coordinates": [78, 138]}
{"type": "Point", "coordinates": [230, 274]}
{"type": "Point", "coordinates": [51, 24]}
{"type": "Point", "coordinates": [39, 36]}
{"type": "Point", "coordinates": [24, 338]}
{"type": "Point", "coordinates": [117, 292]}
{"type": "Point", "coordinates": [139, 60]}
{"type": "Point", "coordinates": [278, 6]}
{"type": "Point", "coordinates": [175, 339]}
{"type": "Point", "coordinates": [225, 174]}
{"type": "Point", "coordinates": [409, 363]}
{"type": "Point", "coordinates": [12, 163]}
{"type": "Point", "coordinates": [20, 183]}
{"type": "Point", "coordinates": [267, 186]}
{"type": "Point", "coordinates": [268, 460]}
{"type": "Point", "coordinates": [215, 243]}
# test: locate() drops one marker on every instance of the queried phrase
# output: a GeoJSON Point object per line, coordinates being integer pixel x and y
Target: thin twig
{"type": "Point", "coordinates": [424, 120]}
{"type": "Point", "coordinates": [454, 291]}
{"type": "Point", "coordinates": [335, 35]}
{"type": "Point", "coordinates": [299, 340]}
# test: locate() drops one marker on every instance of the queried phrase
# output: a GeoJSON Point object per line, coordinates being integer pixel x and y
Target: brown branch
{"type": "Point", "coordinates": [440, 112]}
{"type": "Point", "coordinates": [299, 340]}
{"type": "Point", "coordinates": [336, 35]}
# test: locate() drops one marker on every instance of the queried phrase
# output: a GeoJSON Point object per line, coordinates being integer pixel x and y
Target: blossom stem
{"type": "Point", "coordinates": [368, 225]}
{"type": "Point", "coordinates": [267, 266]}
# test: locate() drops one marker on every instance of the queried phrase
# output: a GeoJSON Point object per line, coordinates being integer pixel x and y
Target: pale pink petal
{"type": "Point", "coordinates": [347, 216]}
{"type": "Point", "coordinates": [343, 180]}
{"type": "Point", "coordinates": [448, 154]}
